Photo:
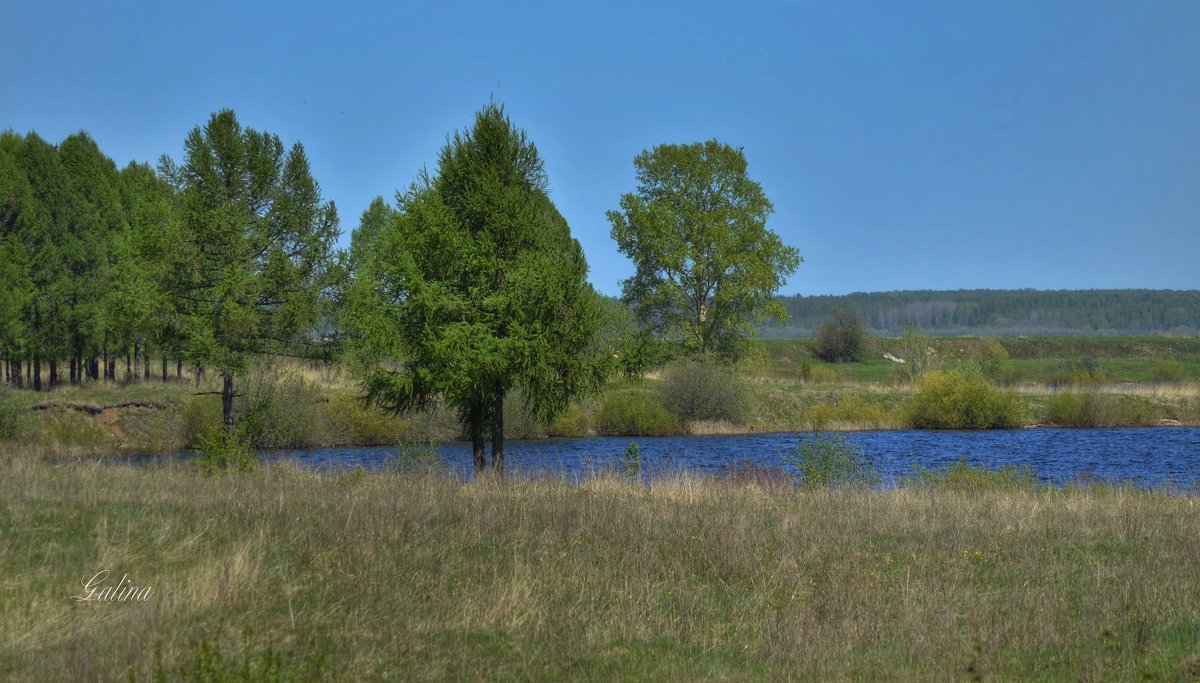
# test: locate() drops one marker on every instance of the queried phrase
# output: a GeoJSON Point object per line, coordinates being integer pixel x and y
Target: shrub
{"type": "Point", "coordinates": [631, 461]}
{"type": "Point", "coordinates": [224, 450]}
{"type": "Point", "coordinates": [278, 409]}
{"type": "Point", "coordinates": [573, 422]}
{"type": "Point", "coordinates": [842, 339]}
{"type": "Point", "coordinates": [197, 416]}
{"type": "Point", "coordinates": [918, 355]}
{"type": "Point", "coordinates": [962, 400]}
{"type": "Point", "coordinates": [696, 390]}
{"type": "Point", "coordinates": [345, 420]}
{"type": "Point", "coordinates": [1094, 409]}
{"type": "Point", "coordinates": [964, 477]}
{"type": "Point", "coordinates": [634, 413]}
{"type": "Point", "coordinates": [819, 416]}
{"type": "Point", "coordinates": [823, 460]}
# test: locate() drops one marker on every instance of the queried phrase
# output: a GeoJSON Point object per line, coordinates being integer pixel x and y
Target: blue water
{"type": "Point", "coordinates": [1147, 456]}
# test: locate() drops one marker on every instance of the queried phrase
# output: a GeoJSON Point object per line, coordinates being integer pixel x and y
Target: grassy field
{"type": "Point", "coordinates": [285, 574]}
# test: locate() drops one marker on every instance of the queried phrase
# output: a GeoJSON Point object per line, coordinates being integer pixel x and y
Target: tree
{"type": "Point", "coordinates": [253, 258]}
{"type": "Point", "coordinates": [707, 266]}
{"type": "Point", "coordinates": [841, 339]}
{"type": "Point", "coordinates": [475, 288]}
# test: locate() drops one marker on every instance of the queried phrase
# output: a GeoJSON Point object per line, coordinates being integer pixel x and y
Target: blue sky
{"type": "Point", "coordinates": [905, 145]}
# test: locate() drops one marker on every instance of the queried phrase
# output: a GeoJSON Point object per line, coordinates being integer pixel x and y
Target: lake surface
{"type": "Point", "coordinates": [1147, 456]}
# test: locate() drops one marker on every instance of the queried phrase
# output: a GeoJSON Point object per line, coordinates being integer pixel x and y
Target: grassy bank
{"type": "Point", "coordinates": [287, 574]}
{"type": "Point", "coordinates": [782, 388]}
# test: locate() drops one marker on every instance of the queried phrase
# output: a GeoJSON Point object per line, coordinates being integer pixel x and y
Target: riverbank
{"type": "Point", "coordinates": [287, 574]}
{"type": "Point", "coordinates": [1126, 382]}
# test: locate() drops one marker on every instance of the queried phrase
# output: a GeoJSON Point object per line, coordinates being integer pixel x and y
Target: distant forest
{"type": "Point", "coordinates": [988, 312]}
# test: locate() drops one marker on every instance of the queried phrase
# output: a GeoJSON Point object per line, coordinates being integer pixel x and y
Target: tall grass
{"type": "Point", "coordinates": [1097, 409]}
{"type": "Point", "coordinates": [290, 575]}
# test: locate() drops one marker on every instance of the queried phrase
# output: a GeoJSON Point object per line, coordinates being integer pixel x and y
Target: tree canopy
{"type": "Point", "coordinates": [255, 250]}
{"type": "Point", "coordinates": [707, 266]}
{"type": "Point", "coordinates": [475, 288]}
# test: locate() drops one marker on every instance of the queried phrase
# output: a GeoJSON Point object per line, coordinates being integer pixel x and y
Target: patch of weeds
{"type": "Point", "coordinates": [418, 458]}
{"type": "Point", "coordinates": [964, 477]}
{"type": "Point", "coordinates": [830, 460]}
{"type": "Point", "coordinates": [225, 450]}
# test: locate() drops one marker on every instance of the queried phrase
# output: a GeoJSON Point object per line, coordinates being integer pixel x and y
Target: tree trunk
{"type": "Point", "coordinates": [498, 430]}
{"type": "Point", "coordinates": [478, 445]}
{"type": "Point", "coordinates": [37, 371]}
{"type": "Point", "coordinates": [146, 361]}
{"type": "Point", "coordinates": [53, 372]}
{"type": "Point", "coordinates": [128, 366]}
{"type": "Point", "coordinates": [137, 362]}
{"type": "Point", "coordinates": [74, 371]}
{"type": "Point", "coordinates": [227, 400]}
{"type": "Point", "coordinates": [199, 373]}
{"type": "Point", "coordinates": [179, 369]}
{"type": "Point", "coordinates": [164, 368]}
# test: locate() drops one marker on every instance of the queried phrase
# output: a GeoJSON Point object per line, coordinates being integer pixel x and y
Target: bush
{"type": "Point", "coordinates": [1094, 409]}
{"type": "Point", "coordinates": [346, 421]}
{"type": "Point", "coordinates": [197, 416]}
{"type": "Point", "coordinates": [696, 390]}
{"type": "Point", "coordinates": [278, 409]}
{"type": "Point", "coordinates": [842, 339]}
{"type": "Point", "coordinates": [573, 422]}
{"type": "Point", "coordinates": [634, 413]}
{"type": "Point", "coordinates": [962, 400]}
{"type": "Point", "coordinates": [964, 477]}
{"type": "Point", "coordinates": [917, 353]}
{"type": "Point", "coordinates": [631, 461]}
{"type": "Point", "coordinates": [822, 460]}
{"type": "Point", "coordinates": [224, 450]}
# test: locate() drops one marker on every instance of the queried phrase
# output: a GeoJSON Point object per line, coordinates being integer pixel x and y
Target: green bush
{"type": "Point", "coordinates": [634, 413]}
{"type": "Point", "coordinates": [695, 390]}
{"type": "Point", "coordinates": [957, 399]}
{"type": "Point", "coordinates": [224, 450]}
{"type": "Point", "coordinates": [631, 461]}
{"type": "Point", "coordinates": [1094, 409]}
{"type": "Point", "coordinates": [346, 421]}
{"type": "Point", "coordinates": [916, 350]}
{"type": "Point", "coordinates": [278, 409]}
{"type": "Point", "coordinates": [964, 477]}
{"type": "Point", "coordinates": [822, 460]}
{"type": "Point", "coordinates": [197, 416]}
{"type": "Point", "coordinates": [842, 339]}
{"type": "Point", "coordinates": [574, 422]}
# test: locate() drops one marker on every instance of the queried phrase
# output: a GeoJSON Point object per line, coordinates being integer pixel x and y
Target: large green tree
{"type": "Point", "coordinates": [250, 267]}
{"type": "Point", "coordinates": [707, 266]}
{"type": "Point", "coordinates": [475, 288]}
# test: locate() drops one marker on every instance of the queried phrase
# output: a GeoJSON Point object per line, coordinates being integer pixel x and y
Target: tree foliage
{"type": "Point", "coordinates": [254, 258]}
{"type": "Point", "coordinates": [475, 288]}
{"type": "Point", "coordinates": [707, 266]}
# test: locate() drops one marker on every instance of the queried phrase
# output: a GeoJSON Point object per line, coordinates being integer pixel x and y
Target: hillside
{"type": "Point", "coordinates": [988, 312]}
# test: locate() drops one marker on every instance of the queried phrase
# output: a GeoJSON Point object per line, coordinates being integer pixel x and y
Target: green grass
{"type": "Point", "coordinates": [288, 575]}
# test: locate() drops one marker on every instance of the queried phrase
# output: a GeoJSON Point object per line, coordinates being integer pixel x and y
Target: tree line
{"type": "Point", "coordinates": [1001, 312]}
{"type": "Point", "coordinates": [467, 290]}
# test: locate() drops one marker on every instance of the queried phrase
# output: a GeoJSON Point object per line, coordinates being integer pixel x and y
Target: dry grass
{"type": "Point", "coordinates": [297, 575]}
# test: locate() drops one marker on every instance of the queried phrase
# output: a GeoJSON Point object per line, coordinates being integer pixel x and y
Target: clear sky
{"type": "Point", "coordinates": [905, 145]}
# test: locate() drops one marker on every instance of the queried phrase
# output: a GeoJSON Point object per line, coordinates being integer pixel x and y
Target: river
{"type": "Point", "coordinates": [1145, 456]}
